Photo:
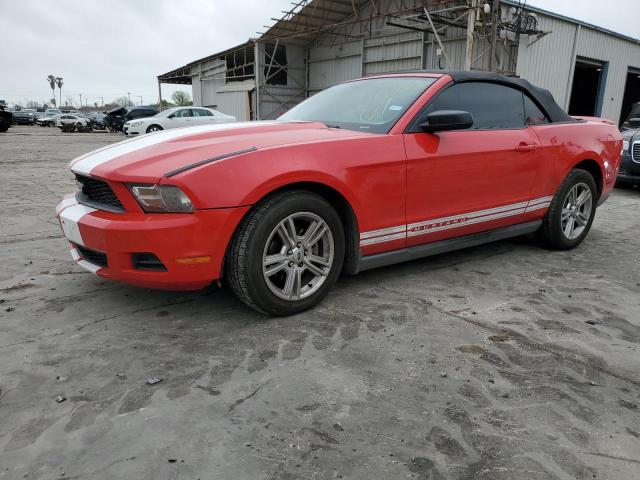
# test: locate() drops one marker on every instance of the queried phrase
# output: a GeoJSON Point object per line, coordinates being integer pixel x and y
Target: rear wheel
{"type": "Point", "coordinates": [571, 213]}
{"type": "Point", "coordinates": [286, 254]}
{"type": "Point", "coordinates": [153, 128]}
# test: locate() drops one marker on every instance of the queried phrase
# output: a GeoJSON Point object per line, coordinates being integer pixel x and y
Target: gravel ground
{"type": "Point", "coordinates": [504, 361]}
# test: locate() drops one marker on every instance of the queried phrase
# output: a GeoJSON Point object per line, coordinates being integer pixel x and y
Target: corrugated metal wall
{"type": "Point", "coordinates": [277, 99]}
{"type": "Point", "coordinates": [620, 54]}
{"type": "Point", "coordinates": [210, 90]}
{"type": "Point", "coordinates": [393, 53]}
{"type": "Point", "coordinates": [390, 48]}
{"type": "Point", "coordinates": [329, 65]}
{"type": "Point", "coordinates": [550, 62]}
{"type": "Point", "coordinates": [334, 57]}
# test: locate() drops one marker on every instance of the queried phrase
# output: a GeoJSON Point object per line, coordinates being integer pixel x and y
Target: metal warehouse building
{"type": "Point", "coordinates": [318, 43]}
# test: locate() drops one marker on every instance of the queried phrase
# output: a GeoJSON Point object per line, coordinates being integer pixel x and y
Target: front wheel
{"type": "Point", "coordinates": [154, 128]}
{"type": "Point", "coordinates": [571, 213]}
{"type": "Point", "coordinates": [286, 254]}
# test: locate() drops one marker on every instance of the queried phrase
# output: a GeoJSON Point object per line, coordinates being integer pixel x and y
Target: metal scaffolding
{"type": "Point", "coordinates": [487, 32]}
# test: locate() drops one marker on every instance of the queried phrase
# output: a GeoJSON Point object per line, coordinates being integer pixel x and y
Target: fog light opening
{"type": "Point", "coordinates": [148, 262]}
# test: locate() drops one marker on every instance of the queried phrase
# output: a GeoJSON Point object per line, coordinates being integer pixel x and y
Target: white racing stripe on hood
{"type": "Point", "coordinates": [85, 164]}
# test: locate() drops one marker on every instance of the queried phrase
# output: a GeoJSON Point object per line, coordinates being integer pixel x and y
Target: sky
{"type": "Point", "coordinates": [105, 49]}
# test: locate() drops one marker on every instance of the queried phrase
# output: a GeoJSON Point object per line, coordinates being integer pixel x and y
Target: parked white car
{"type": "Point", "coordinates": [49, 117]}
{"type": "Point", "coordinates": [176, 118]}
{"type": "Point", "coordinates": [66, 121]}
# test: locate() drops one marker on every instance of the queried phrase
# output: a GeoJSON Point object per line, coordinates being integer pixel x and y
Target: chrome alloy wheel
{"type": "Point", "coordinates": [298, 256]}
{"type": "Point", "coordinates": [576, 211]}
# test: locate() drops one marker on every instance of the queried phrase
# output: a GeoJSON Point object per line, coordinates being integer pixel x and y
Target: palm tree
{"type": "Point", "coordinates": [52, 82]}
{"type": "Point", "coordinates": [59, 82]}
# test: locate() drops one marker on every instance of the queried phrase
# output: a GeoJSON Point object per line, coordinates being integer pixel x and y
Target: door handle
{"type": "Point", "coordinates": [526, 147]}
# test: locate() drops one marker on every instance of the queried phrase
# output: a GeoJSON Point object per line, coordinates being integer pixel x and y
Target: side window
{"type": "Point", "coordinates": [532, 113]}
{"type": "Point", "coordinates": [183, 113]}
{"type": "Point", "coordinates": [492, 106]}
{"type": "Point", "coordinates": [201, 112]}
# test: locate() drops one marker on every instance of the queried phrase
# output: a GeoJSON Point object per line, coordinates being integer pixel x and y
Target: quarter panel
{"type": "Point", "coordinates": [569, 144]}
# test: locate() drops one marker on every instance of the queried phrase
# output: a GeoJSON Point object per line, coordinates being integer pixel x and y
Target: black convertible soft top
{"type": "Point", "coordinates": [542, 97]}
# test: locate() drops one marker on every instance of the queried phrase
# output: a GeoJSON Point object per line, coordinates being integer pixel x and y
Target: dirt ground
{"type": "Point", "coordinates": [504, 361]}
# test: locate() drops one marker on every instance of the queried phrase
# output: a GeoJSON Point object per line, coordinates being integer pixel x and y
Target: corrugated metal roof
{"type": "Point", "coordinates": [182, 73]}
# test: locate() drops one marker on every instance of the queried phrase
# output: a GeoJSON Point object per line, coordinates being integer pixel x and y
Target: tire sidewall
{"type": "Point", "coordinates": [258, 289]}
{"type": "Point", "coordinates": [555, 211]}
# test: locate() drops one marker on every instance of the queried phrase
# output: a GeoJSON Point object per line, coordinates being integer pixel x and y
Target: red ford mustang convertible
{"type": "Point", "coordinates": [367, 173]}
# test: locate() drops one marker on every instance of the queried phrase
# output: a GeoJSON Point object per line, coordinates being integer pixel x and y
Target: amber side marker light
{"type": "Point", "coordinates": [193, 260]}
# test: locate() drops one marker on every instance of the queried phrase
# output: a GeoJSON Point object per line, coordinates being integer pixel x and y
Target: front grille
{"type": "Point", "coordinates": [635, 152]}
{"type": "Point", "coordinates": [97, 193]}
{"type": "Point", "coordinates": [93, 256]}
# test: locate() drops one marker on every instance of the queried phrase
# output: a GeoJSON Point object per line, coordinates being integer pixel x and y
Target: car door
{"type": "Point", "coordinates": [478, 179]}
{"type": "Point", "coordinates": [202, 116]}
{"type": "Point", "coordinates": [182, 118]}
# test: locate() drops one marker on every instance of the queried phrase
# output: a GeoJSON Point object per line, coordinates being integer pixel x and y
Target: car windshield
{"type": "Point", "coordinates": [370, 105]}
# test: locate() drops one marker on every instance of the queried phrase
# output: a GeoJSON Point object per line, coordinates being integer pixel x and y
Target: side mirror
{"type": "Point", "coordinates": [634, 122]}
{"type": "Point", "coordinates": [444, 120]}
{"type": "Point", "coordinates": [172, 115]}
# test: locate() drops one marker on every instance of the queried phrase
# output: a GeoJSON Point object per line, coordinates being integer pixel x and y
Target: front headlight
{"type": "Point", "coordinates": [625, 146]}
{"type": "Point", "coordinates": [162, 198]}
{"type": "Point", "coordinates": [135, 124]}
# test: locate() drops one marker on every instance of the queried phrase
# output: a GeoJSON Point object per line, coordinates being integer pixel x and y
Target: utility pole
{"type": "Point", "coordinates": [140, 99]}
{"type": "Point", "coordinates": [102, 101]}
{"type": "Point", "coordinates": [129, 96]}
{"type": "Point", "coordinates": [471, 26]}
{"type": "Point", "coordinates": [80, 101]}
{"type": "Point", "coordinates": [495, 18]}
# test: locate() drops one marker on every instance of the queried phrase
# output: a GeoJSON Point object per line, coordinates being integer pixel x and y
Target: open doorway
{"type": "Point", "coordinates": [587, 91]}
{"type": "Point", "coordinates": [631, 93]}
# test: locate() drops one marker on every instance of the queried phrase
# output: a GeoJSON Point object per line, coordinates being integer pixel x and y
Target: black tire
{"type": "Point", "coordinates": [243, 266]}
{"type": "Point", "coordinates": [551, 233]}
{"type": "Point", "coordinates": [154, 128]}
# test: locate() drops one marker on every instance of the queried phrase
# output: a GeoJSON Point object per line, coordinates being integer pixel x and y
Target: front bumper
{"type": "Point", "coordinates": [190, 246]}
{"type": "Point", "coordinates": [629, 170]}
{"type": "Point", "coordinates": [128, 130]}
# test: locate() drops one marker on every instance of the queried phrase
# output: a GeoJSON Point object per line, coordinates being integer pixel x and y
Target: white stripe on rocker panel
{"type": "Point", "coordinates": [455, 221]}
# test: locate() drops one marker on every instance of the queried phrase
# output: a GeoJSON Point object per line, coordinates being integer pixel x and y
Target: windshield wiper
{"type": "Point", "coordinates": [332, 126]}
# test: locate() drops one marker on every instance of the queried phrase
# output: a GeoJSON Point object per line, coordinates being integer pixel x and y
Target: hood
{"type": "Point", "coordinates": [151, 157]}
